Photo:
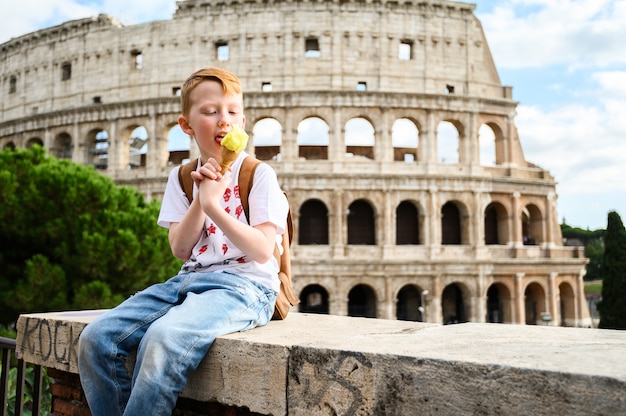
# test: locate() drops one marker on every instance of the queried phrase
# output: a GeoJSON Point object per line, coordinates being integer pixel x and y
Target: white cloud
{"type": "Point", "coordinates": [539, 33]}
{"type": "Point", "coordinates": [581, 146]}
{"type": "Point", "coordinates": [25, 16]}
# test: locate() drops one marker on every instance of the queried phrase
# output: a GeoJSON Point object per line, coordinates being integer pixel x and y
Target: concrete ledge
{"type": "Point", "coordinates": [322, 365]}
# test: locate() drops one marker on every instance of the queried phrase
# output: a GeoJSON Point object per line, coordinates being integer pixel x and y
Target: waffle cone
{"type": "Point", "coordinates": [228, 157]}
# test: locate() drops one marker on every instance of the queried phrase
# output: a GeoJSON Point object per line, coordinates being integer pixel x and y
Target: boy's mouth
{"type": "Point", "coordinates": [219, 137]}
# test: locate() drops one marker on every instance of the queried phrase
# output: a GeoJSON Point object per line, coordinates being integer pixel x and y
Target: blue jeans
{"type": "Point", "coordinates": [171, 325]}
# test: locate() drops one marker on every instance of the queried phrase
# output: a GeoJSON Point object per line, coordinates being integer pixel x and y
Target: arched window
{"type": "Point", "coordinates": [359, 138]}
{"type": "Point", "coordinates": [407, 224]}
{"type": "Point", "coordinates": [62, 146]}
{"type": "Point", "coordinates": [532, 225]}
{"type": "Point", "coordinates": [496, 224]}
{"type": "Point", "coordinates": [178, 146]}
{"type": "Point", "coordinates": [138, 148]}
{"type": "Point", "coordinates": [450, 224]}
{"type": "Point", "coordinates": [487, 144]}
{"type": "Point", "coordinates": [405, 140]}
{"type": "Point", "coordinates": [267, 136]}
{"type": "Point", "coordinates": [447, 143]}
{"type": "Point", "coordinates": [314, 299]}
{"type": "Point", "coordinates": [409, 304]}
{"type": "Point", "coordinates": [498, 304]}
{"type": "Point", "coordinates": [535, 303]}
{"type": "Point", "coordinates": [454, 305]}
{"type": "Point", "coordinates": [567, 305]}
{"type": "Point", "coordinates": [35, 141]}
{"type": "Point", "coordinates": [99, 148]}
{"type": "Point", "coordinates": [313, 139]}
{"type": "Point", "coordinates": [313, 223]}
{"type": "Point", "coordinates": [362, 302]}
{"type": "Point", "coordinates": [361, 223]}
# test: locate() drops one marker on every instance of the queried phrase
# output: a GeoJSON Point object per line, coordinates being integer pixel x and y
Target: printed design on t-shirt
{"type": "Point", "coordinates": [216, 246]}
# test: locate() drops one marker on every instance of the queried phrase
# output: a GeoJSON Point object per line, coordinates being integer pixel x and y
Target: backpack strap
{"type": "Point", "coordinates": [246, 180]}
{"type": "Point", "coordinates": [184, 177]}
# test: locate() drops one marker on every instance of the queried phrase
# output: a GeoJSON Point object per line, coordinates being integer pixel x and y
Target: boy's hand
{"type": "Point", "coordinates": [211, 170]}
{"type": "Point", "coordinates": [211, 185]}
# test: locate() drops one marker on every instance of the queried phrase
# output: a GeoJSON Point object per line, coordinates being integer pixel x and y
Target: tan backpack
{"type": "Point", "coordinates": [286, 297]}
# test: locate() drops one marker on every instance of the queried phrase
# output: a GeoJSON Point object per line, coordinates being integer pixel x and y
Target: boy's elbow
{"type": "Point", "coordinates": [181, 254]}
{"type": "Point", "coordinates": [264, 258]}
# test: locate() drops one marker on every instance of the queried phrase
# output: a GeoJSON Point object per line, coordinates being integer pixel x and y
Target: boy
{"type": "Point", "coordinates": [229, 280]}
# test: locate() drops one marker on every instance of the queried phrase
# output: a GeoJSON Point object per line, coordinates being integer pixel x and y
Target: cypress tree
{"type": "Point", "coordinates": [612, 308]}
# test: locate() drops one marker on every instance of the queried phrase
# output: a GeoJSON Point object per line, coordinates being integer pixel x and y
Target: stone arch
{"type": "Point", "coordinates": [313, 138]}
{"type": "Point", "coordinates": [496, 223]}
{"type": "Point", "coordinates": [137, 146]}
{"type": "Point", "coordinates": [499, 142]}
{"type": "Point", "coordinates": [34, 141]}
{"type": "Point", "coordinates": [405, 140]}
{"type": "Point", "coordinates": [409, 304]}
{"type": "Point", "coordinates": [487, 145]}
{"type": "Point", "coordinates": [534, 303]}
{"type": "Point", "coordinates": [455, 305]}
{"type": "Point", "coordinates": [62, 146]}
{"type": "Point", "coordinates": [362, 301]}
{"type": "Point", "coordinates": [499, 304]}
{"type": "Point", "coordinates": [178, 145]}
{"type": "Point", "coordinates": [532, 225]}
{"type": "Point", "coordinates": [313, 223]}
{"type": "Point", "coordinates": [9, 146]}
{"type": "Point", "coordinates": [448, 143]}
{"type": "Point", "coordinates": [267, 138]}
{"type": "Point", "coordinates": [97, 148]}
{"type": "Point", "coordinates": [567, 304]}
{"type": "Point", "coordinates": [407, 223]}
{"type": "Point", "coordinates": [314, 299]}
{"type": "Point", "coordinates": [454, 223]}
{"type": "Point", "coordinates": [360, 137]}
{"type": "Point", "coordinates": [361, 223]}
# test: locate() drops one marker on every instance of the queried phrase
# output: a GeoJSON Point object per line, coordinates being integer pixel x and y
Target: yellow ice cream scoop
{"type": "Point", "coordinates": [232, 144]}
{"type": "Point", "coordinates": [236, 139]}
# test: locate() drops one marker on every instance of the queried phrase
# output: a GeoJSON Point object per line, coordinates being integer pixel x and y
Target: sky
{"type": "Point", "coordinates": [565, 59]}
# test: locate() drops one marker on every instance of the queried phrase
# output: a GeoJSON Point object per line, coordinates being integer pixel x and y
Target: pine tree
{"type": "Point", "coordinates": [71, 239]}
{"type": "Point", "coordinates": [612, 308]}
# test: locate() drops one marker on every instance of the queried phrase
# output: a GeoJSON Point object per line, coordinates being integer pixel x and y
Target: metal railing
{"type": "Point", "coordinates": [7, 345]}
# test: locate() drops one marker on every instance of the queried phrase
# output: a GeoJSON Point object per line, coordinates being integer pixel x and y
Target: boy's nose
{"type": "Point", "coordinates": [224, 120]}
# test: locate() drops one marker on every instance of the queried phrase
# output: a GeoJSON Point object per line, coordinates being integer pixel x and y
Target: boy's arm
{"type": "Point", "coordinates": [184, 235]}
{"type": "Point", "coordinates": [256, 242]}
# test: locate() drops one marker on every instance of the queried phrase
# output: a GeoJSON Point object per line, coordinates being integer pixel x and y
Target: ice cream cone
{"type": "Point", "coordinates": [228, 157]}
{"type": "Point", "coordinates": [232, 144]}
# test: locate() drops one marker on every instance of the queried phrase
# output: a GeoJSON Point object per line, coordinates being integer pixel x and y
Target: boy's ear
{"type": "Point", "coordinates": [184, 125]}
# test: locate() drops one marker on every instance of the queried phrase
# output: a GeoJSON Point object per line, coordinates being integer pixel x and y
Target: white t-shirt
{"type": "Point", "coordinates": [214, 251]}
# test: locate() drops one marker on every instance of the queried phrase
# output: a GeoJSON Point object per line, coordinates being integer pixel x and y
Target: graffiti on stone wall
{"type": "Point", "coordinates": [340, 383]}
{"type": "Point", "coordinates": [52, 343]}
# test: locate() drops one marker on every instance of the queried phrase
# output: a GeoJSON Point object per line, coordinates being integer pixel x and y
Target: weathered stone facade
{"type": "Point", "coordinates": [379, 219]}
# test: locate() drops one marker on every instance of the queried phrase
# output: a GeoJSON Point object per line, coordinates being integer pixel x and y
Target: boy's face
{"type": "Point", "coordinates": [211, 115]}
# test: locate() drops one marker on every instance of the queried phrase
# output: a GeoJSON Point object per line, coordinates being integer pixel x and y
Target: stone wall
{"type": "Point", "coordinates": [313, 365]}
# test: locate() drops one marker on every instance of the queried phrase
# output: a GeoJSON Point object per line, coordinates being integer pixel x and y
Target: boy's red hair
{"type": "Point", "coordinates": [229, 81]}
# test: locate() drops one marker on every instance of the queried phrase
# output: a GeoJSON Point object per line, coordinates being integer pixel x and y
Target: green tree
{"type": "Point", "coordinates": [72, 239]}
{"type": "Point", "coordinates": [612, 307]}
{"type": "Point", "coordinates": [594, 248]}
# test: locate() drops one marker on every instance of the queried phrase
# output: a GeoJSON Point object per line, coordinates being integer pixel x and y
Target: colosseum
{"type": "Point", "coordinates": [387, 125]}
